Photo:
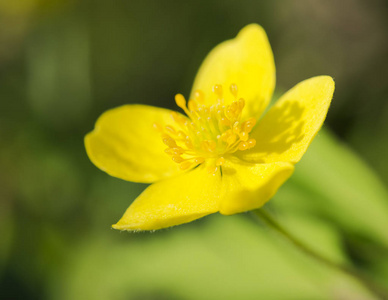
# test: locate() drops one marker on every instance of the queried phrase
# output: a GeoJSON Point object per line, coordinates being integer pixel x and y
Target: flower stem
{"type": "Point", "coordinates": [271, 222]}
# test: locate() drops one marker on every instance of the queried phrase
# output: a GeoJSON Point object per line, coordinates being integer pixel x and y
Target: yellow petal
{"type": "Point", "coordinates": [246, 61]}
{"type": "Point", "coordinates": [174, 201]}
{"type": "Point", "coordinates": [125, 144]}
{"type": "Point", "coordinates": [247, 186]}
{"type": "Point", "coordinates": [290, 125]}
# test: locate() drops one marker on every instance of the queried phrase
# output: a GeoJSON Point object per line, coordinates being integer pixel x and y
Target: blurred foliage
{"type": "Point", "coordinates": [62, 63]}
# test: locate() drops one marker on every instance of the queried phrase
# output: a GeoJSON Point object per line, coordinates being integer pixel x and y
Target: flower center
{"type": "Point", "coordinates": [208, 132]}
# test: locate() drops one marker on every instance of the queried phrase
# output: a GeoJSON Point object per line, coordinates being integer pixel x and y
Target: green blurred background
{"type": "Point", "coordinates": [63, 63]}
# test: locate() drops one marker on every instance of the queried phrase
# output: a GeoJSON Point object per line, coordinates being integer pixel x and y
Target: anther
{"type": "Point", "coordinates": [231, 139]}
{"type": "Point", "coordinates": [229, 113]}
{"type": "Point", "coordinates": [178, 159]}
{"type": "Point", "coordinates": [174, 151]}
{"type": "Point", "coordinates": [182, 121]}
{"type": "Point", "coordinates": [236, 127]}
{"type": "Point", "coordinates": [243, 146]}
{"type": "Point", "coordinates": [170, 129]}
{"type": "Point", "coordinates": [181, 134]}
{"type": "Point", "coordinates": [185, 165]}
{"type": "Point", "coordinates": [225, 121]}
{"type": "Point", "coordinates": [251, 143]}
{"type": "Point", "coordinates": [199, 160]}
{"type": "Point", "coordinates": [243, 136]}
{"type": "Point", "coordinates": [233, 89]}
{"type": "Point", "coordinates": [192, 105]}
{"type": "Point", "coordinates": [189, 144]}
{"type": "Point", "coordinates": [180, 101]}
{"type": "Point", "coordinates": [217, 89]}
{"type": "Point", "coordinates": [241, 103]}
{"type": "Point", "coordinates": [199, 96]}
{"type": "Point", "coordinates": [249, 124]}
{"type": "Point", "coordinates": [169, 141]}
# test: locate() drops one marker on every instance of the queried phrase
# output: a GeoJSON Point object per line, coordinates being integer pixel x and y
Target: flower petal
{"type": "Point", "coordinates": [290, 125]}
{"type": "Point", "coordinates": [174, 201]}
{"type": "Point", "coordinates": [246, 61]}
{"type": "Point", "coordinates": [125, 144]}
{"type": "Point", "coordinates": [247, 186]}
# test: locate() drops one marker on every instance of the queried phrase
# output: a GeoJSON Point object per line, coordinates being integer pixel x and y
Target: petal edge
{"type": "Point", "coordinates": [246, 61]}
{"type": "Point", "coordinates": [249, 186]}
{"type": "Point", "coordinates": [289, 127]}
{"type": "Point", "coordinates": [173, 201]}
{"type": "Point", "coordinates": [124, 144]}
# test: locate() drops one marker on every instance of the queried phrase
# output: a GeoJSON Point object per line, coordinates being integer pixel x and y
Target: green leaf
{"type": "Point", "coordinates": [225, 257]}
{"type": "Point", "coordinates": [333, 183]}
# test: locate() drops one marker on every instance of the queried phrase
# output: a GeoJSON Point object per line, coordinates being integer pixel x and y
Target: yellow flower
{"type": "Point", "coordinates": [223, 156]}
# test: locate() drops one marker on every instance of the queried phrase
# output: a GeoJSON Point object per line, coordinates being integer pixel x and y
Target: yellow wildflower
{"type": "Point", "coordinates": [222, 156]}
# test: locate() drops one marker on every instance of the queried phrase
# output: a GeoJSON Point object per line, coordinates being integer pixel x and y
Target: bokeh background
{"type": "Point", "coordinates": [64, 62]}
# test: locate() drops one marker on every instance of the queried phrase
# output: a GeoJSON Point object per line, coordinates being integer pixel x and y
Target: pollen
{"type": "Point", "coordinates": [207, 133]}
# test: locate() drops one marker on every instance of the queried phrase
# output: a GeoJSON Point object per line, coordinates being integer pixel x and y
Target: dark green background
{"type": "Point", "coordinates": [63, 63]}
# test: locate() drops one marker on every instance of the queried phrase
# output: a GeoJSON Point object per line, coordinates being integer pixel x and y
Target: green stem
{"type": "Point", "coordinates": [271, 222]}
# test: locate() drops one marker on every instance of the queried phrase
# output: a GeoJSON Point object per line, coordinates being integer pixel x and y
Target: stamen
{"type": "Point", "coordinates": [170, 129]}
{"type": "Point", "coordinates": [208, 132]}
{"type": "Point", "coordinates": [241, 103]}
{"type": "Point", "coordinates": [169, 141]}
{"type": "Point", "coordinates": [185, 165]}
{"type": "Point", "coordinates": [243, 146]}
{"type": "Point", "coordinates": [251, 143]}
{"type": "Point", "coordinates": [249, 124]}
{"type": "Point", "coordinates": [181, 102]}
{"type": "Point", "coordinates": [234, 90]}
{"type": "Point", "coordinates": [199, 160]}
{"type": "Point", "coordinates": [217, 89]}
{"type": "Point", "coordinates": [192, 105]}
{"type": "Point", "coordinates": [225, 121]}
{"type": "Point", "coordinates": [243, 136]}
{"type": "Point", "coordinates": [177, 159]}
{"type": "Point", "coordinates": [181, 135]}
{"type": "Point", "coordinates": [189, 144]}
{"type": "Point", "coordinates": [236, 127]}
{"type": "Point", "coordinates": [179, 119]}
{"type": "Point", "coordinates": [199, 96]}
